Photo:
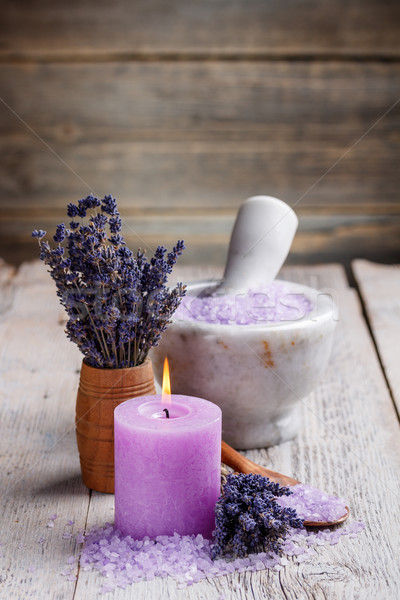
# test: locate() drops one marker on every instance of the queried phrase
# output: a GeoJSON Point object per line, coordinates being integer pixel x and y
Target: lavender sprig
{"type": "Point", "coordinates": [248, 517]}
{"type": "Point", "coordinates": [118, 304]}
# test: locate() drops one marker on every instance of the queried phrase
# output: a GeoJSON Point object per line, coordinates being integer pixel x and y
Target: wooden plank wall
{"type": "Point", "coordinates": [183, 108]}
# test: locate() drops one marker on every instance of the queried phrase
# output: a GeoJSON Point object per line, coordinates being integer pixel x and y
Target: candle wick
{"type": "Point", "coordinates": [166, 412]}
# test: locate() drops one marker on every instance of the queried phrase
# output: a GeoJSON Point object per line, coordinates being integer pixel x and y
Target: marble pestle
{"type": "Point", "coordinates": [260, 242]}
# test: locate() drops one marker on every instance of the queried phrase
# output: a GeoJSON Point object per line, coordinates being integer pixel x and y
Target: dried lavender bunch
{"type": "Point", "coordinates": [248, 517]}
{"type": "Point", "coordinates": [118, 304]}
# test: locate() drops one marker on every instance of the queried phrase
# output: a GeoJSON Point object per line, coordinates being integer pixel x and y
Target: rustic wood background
{"type": "Point", "coordinates": [183, 108]}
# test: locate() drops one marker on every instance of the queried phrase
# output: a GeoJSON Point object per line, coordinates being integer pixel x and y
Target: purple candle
{"type": "Point", "coordinates": [167, 468]}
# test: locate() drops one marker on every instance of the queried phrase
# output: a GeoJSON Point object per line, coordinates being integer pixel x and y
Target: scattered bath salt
{"type": "Point", "coordinates": [70, 522]}
{"type": "Point", "coordinates": [66, 535]}
{"type": "Point", "coordinates": [305, 557]}
{"type": "Point", "coordinates": [41, 540]}
{"type": "Point", "coordinates": [50, 524]}
{"type": "Point", "coordinates": [312, 504]}
{"type": "Point", "coordinates": [68, 572]}
{"type": "Point", "coordinates": [80, 537]}
{"type": "Point", "coordinates": [185, 558]}
{"type": "Point", "coordinates": [53, 517]}
{"type": "Point", "coordinates": [273, 303]}
{"type": "Point", "coordinates": [123, 560]}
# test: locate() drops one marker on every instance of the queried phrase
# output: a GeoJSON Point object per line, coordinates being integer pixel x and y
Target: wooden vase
{"type": "Point", "coordinates": [100, 391]}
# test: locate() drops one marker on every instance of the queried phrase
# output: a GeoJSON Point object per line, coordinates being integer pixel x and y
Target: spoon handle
{"type": "Point", "coordinates": [240, 463]}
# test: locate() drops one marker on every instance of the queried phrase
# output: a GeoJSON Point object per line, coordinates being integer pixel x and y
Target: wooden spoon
{"type": "Point", "coordinates": [240, 463]}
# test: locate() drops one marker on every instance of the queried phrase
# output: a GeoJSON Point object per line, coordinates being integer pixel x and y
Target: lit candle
{"type": "Point", "coordinates": [167, 465]}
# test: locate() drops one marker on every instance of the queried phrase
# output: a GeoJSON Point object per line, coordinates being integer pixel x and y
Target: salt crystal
{"type": "Point", "coordinates": [302, 558]}
{"type": "Point", "coordinates": [312, 504]}
{"type": "Point", "coordinates": [298, 551]}
{"type": "Point", "coordinates": [50, 524]}
{"type": "Point", "coordinates": [80, 538]}
{"type": "Point", "coordinates": [268, 304]}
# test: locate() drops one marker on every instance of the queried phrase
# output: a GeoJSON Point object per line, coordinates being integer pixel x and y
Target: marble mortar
{"type": "Point", "coordinates": [258, 374]}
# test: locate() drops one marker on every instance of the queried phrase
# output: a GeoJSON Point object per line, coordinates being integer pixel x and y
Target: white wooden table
{"type": "Point", "coordinates": [349, 445]}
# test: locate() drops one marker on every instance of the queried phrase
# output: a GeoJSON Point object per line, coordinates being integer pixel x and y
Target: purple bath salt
{"type": "Point", "coordinates": [274, 303]}
{"type": "Point", "coordinates": [312, 504]}
{"type": "Point", "coordinates": [187, 559]}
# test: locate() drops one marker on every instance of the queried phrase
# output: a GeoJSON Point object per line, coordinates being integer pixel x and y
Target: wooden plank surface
{"type": "Point", "coordinates": [39, 475]}
{"type": "Point", "coordinates": [319, 238]}
{"type": "Point", "coordinates": [182, 109]}
{"type": "Point", "coordinates": [193, 102]}
{"type": "Point", "coordinates": [182, 144]}
{"type": "Point", "coordinates": [43, 29]}
{"type": "Point", "coordinates": [349, 444]}
{"type": "Point", "coordinates": [166, 135]}
{"type": "Point", "coordinates": [380, 291]}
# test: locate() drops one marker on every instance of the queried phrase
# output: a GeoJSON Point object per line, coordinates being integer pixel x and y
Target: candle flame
{"type": "Point", "coordinates": [166, 385]}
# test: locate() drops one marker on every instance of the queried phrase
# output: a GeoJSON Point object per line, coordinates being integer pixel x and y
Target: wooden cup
{"type": "Point", "coordinates": [100, 391]}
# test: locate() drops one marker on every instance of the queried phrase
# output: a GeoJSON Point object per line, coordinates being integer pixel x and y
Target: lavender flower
{"type": "Point", "coordinates": [118, 304]}
{"type": "Point", "coordinates": [248, 517]}
{"type": "Point", "coordinates": [38, 233]}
